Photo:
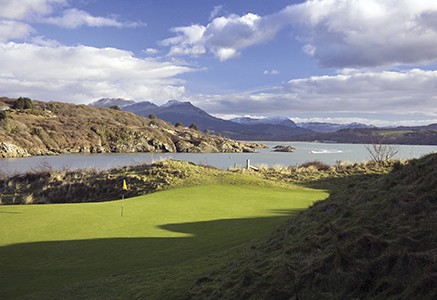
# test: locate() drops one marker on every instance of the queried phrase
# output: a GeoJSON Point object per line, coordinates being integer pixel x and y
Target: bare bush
{"type": "Point", "coordinates": [380, 152]}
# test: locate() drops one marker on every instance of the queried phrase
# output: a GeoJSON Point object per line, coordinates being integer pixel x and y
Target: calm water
{"type": "Point", "coordinates": [328, 153]}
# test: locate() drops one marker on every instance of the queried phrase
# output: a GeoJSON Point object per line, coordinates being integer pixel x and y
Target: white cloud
{"type": "Point", "coordinates": [219, 9]}
{"type": "Point", "coordinates": [10, 30]}
{"type": "Point", "coordinates": [271, 72]}
{"type": "Point", "coordinates": [388, 91]}
{"type": "Point", "coordinates": [73, 18]}
{"type": "Point", "coordinates": [151, 51]}
{"type": "Point", "coordinates": [366, 33]}
{"type": "Point", "coordinates": [28, 9]}
{"type": "Point", "coordinates": [337, 33]}
{"type": "Point", "coordinates": [48, 70]}
{"type": "Point", "coordinates": [53, 12]}
{"type": "Point", "coordinates": [406, 92]}
{"type": "Point", "coordinates": [188, 41]}
{"type": "Point", "coordinates": [225, 37]}
{"type": "Point", "coordinates": [80, 74]}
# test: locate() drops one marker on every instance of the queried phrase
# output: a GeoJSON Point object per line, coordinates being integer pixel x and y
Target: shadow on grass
{"type": "Point", "coordinates": [44, 266]}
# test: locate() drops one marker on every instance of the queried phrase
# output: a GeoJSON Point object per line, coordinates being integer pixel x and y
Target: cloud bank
{"type": "Point", "coordinates": [55, 12]}
{"type": "Point", "coordinates": [406, 92]}
{"type": "Point", "coordinates": [45, 69]}
{"type": "Point", "coordinates": [80, 73]}
{"type": "Point", "coordinates": [337, 33]}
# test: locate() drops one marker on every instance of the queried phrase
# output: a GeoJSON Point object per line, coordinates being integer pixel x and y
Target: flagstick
{"type": "Point", "coordinates": [122, 198]}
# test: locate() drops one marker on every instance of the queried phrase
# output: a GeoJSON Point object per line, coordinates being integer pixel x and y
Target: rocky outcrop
{"type": "Point", "coordinates": [283, 148]}
{"type": "Point", "coordinates": [12, 151]}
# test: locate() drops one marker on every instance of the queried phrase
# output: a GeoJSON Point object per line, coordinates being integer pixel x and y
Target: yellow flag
{"type": "Point", "coordinates": [124, 185]}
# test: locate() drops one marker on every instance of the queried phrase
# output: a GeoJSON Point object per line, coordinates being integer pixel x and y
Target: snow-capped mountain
{"type": "Point", "coordinates": [108, 102]}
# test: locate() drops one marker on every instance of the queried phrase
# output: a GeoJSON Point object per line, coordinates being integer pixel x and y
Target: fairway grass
{"type": "Point", "coordinates": [80, 250]}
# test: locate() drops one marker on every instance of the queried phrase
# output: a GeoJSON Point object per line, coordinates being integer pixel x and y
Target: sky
{"type": "Point", "coordinates": [369, 61]}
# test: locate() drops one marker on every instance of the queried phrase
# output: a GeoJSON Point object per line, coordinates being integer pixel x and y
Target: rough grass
{"type": "Point", "coordinates": [375, 238]}
{"type": "Point", "coordinates": [161, 244]}
{"type": "Point", "coordinates": [46, 185]}
{"type": "Point", "coordinates": [50, 186]}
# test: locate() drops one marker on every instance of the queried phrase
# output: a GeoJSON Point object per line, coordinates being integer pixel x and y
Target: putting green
{"type": "Point", "coordinates": [44, 247]}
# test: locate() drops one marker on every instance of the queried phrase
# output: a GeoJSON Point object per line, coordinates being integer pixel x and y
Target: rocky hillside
{"type": "Point", "coordinates": [374, 238]}
{"type": "Point", "coordinates": [40, 128]}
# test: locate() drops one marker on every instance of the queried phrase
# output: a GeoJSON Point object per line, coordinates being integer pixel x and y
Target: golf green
{"type": "Point", "coordinates": [48, 247]}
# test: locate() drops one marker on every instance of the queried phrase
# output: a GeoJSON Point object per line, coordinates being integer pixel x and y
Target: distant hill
{"type": "Point", "coordinates": [175, 111]}
{"type": "Point", "coordinates": [421, 135]}
{"type": "Point", "coordinates": [41, 128]}
{"type": "Point", "coordinates": [143, 108]}
{"type": "Point", "coordinates": [282, 121]}
{"type": "Point", "coordinates": [332, 127]}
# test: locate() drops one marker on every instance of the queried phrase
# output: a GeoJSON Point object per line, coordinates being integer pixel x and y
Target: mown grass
{"type": "Point", "coordinates": [162, 242]}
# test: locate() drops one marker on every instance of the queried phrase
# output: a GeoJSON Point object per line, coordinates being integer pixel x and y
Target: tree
{"type": "Point", "coordinates": [380, 152]}
{"type": "Point", "coordinates": [179, 124]}
{"type": "Point", "coordinates": [23, 103]}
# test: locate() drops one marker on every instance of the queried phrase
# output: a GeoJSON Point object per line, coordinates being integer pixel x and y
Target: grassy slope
{"type": "Point", "coordinates": [374, 239]}
{"type": "Point", "coordinates": [164, 239]}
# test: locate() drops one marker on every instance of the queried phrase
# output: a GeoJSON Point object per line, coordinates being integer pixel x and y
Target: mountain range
{"type": "Point", "coordinates": [175, 111]}
{"type": "Point", "coordinates": [274, 128]}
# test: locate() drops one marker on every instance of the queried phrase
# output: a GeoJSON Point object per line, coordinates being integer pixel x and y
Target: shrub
{"type": "Point", "coordinates": [23, 103]}
{"type": "Point", "coordinates": [179, 124]}
{"type": "Point", "coordinates": [3, 115]}
{"type": "Point", "coordinates": [52, 107]}
{"type": "Point", "coordinates": [194, 126]}
{"type": "Point", "coordinates": [152, 116]}
{"type": "Point", "coordinates": [116, 107]}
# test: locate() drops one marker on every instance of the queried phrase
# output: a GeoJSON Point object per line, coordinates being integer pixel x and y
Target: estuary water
{"type": "Point", "coordinates": [325, 152]}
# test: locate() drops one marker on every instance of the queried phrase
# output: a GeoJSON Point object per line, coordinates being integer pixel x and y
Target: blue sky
{"type": "Point", "coordinates": [371, 61]}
